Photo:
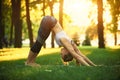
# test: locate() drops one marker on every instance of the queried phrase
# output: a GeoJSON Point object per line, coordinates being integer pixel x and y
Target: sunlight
{"type": "Point", "coordinates": [78, 11]}
{"type": "Point", "coordinates": [83, 11]}
{"type": "Point", "coordinates": [107, 15]}
{"type": "Point", "coordinates": [10, 54]}
{"type": "Point", "coordinates": [118, 25]}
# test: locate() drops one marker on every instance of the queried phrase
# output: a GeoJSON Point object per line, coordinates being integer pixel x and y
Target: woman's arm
{"type": "Point", "coordinates": [70, 48]}
{"type": "Point", "coordinates": [84, 57]}
{"type": "Point", "coordinates": [76, 49]}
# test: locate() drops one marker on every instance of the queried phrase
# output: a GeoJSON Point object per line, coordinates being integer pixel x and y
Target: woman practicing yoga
{"type": "Point", "coordinates": [69, 50]}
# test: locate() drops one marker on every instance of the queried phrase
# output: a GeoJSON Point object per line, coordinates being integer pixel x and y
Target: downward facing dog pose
{"type": "Point", "coordinates": [69, 50]}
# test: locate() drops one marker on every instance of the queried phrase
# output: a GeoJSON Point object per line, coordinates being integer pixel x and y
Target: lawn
{"type": "Point", "coordinates": [12, 65]}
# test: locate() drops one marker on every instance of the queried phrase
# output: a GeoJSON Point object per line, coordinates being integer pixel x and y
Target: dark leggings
{"type": "Point", "coordinates": [47, 23]}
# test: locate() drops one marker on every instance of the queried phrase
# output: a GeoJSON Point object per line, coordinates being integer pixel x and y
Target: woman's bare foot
{"type": "Point", "coordinates": [32, 64]}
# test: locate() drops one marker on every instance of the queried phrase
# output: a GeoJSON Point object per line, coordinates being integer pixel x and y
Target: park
{"type": "Point", "coordinates": [12, 65]}
{"type": "Point", "coordinates": [93, 25]}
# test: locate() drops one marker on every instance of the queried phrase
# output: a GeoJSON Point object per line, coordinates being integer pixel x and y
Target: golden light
{"type": "Point", "coordinates": [118, 25]}
{"type": "Point", "coordinates": [78, 10]}
{"type": "Point", "coordinates": [82, 13]}
{"type": "Point", "coordinates": [107, 15]}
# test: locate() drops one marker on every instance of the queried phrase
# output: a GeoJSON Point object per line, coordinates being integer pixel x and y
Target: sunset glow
{"type": "Point", "coordinates": [78, 11]}
{"type": "Point", "coordinates": [83, 14]}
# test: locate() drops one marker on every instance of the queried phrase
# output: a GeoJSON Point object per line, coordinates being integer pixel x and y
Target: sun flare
{"type": "Point", "coordinates": [78, 10]}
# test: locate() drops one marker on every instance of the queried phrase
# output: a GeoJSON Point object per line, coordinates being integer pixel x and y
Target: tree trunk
{"type": "Point", "coordinates": [61, 12]}
{"type": "Point", "coordinates": [29, 23]}
{"type": "Point", "coordinates": [2, 29]}
{"type": "Point", "coordinates": [115, 38]}
{"type": "Point", "coordinates": [44, 45]}
{"type": "Point", "coordinates": [100, 24]}
{"type": "Point", "coordinates": [52, 36]}
{"type": "Point", "coordinates": [115, 12]}
{"type": "Point", "coordinates": [11, 32]}
{"type": "Point", "coordinates": [17, 22]}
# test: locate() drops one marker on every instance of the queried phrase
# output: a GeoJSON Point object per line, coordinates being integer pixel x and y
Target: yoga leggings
{"type": "Point", "coordinates": [47, 23]}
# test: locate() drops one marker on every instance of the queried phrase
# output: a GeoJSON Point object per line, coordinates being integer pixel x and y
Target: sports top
{"type": "Point", "coordinates": [60, 35]}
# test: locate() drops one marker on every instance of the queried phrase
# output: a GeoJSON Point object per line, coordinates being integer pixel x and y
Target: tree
{"type": "Point", "coordinates": [11, 31]}
{"type": "Point", "coordinates": [115, 12]}
{"type": "Point", "coordinates": [17, 22]}
{"type": "Point", "coordinates": [2, 29]}
{"type": "Point", "coordinates": [5, 21]}
{"type": "Point", "coordinates": [45, 3]}
{"type": "Point", "coordinates": [51, 3]}
{"type": "Point", "coordinates": [61, 12]}
{"type": "Point", "coordinates": [100, 24]}
{"type": "Point", "coordinates": [43, 9]}
{"type": "Point", "coordinates": [29, 23]}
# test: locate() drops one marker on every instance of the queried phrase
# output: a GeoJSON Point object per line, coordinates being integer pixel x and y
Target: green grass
{"type": "Point", "coordinates": [12, 65]}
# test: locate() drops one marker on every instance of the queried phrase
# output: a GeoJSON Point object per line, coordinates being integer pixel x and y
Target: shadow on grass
{"type": "Point", "coordinates": [53, 69]}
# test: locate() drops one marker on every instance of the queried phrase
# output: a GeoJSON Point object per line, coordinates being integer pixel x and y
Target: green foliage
{"type": "Point", "coordinates": [115, 12]}
{"type": "Point", "coordinates": [86, 42]}
{"type": "Point", "coordinates": [91, 32]}
{"type": "Point", "coordinates": [53, 69]}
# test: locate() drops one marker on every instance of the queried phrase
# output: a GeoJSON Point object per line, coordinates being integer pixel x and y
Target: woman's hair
{"type": "Point", "coordinates": [66, 56]}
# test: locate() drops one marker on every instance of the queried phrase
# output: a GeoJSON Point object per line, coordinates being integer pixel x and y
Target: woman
{"type": "Point", "coordinates": [70, 47]}
{"type": "Point", "coordinates": [47, 25]}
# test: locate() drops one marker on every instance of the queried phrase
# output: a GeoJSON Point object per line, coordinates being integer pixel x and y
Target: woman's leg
{"type": "Point", "coordinates": [46, 25]}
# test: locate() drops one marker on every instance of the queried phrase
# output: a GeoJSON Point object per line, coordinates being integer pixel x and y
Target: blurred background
{"type": "Point", "coordinates": [87, 22]}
